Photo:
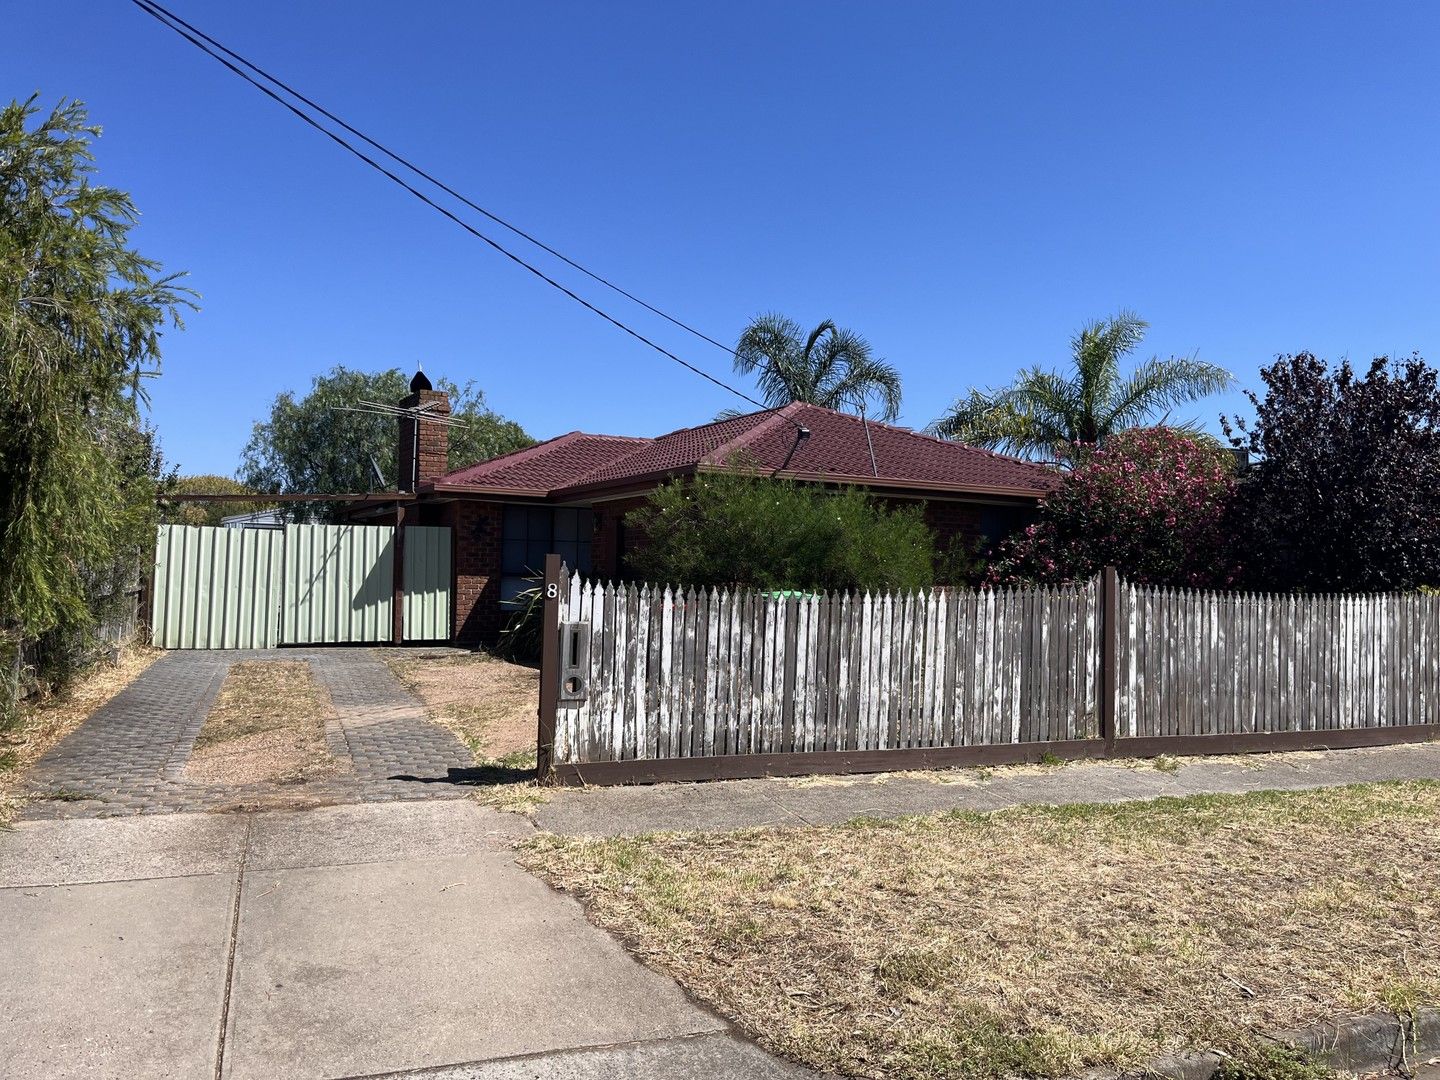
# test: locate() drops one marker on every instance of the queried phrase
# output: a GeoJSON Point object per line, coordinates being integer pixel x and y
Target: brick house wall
{"type": "Point", "coordinates": [476, 537]}
{"type": "Point", "coordinates": [951, 519]}
{"type": "Point", "coordinates": [475, 554]}
{"type": "Point", "coordinates": [606, 556]}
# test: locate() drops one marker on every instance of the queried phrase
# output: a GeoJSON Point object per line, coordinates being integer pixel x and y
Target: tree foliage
{"type": "Point", "coordinates": [311, 444]}
{"type": "Point", "coordinates": [81, 315]}
{"type": "Point", "coordinates": [1344, 493]}
{"type": "Point", "coordinates": [734, 528]}
{"type": "Point", "coordinates": [1153, 502]}
{"type": "Point", "coordinates": [1049, 414]}
{"type": "Point", "coordinates": [209, 513]}
{"type": "Point", "coordinates": [829, 366]}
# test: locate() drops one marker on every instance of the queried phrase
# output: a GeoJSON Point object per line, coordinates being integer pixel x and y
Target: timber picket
{"type": "Point", "coordinates": [720, 672]}
{"type": "Point", "coordinates": [733, 672]}
{"type": "Point", "coordinates": [1199, 664]}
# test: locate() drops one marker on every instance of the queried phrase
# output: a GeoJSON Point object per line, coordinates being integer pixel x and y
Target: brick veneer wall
{"type": "Point", "coordinates": [604, 556]}
{"type": "Point", "coordinates": [434, 441]}
{"type": "Point", "coordinates": [475, 546]}
{"type": "Point", "coordinates": [478, 616]}
{"type": "Point", "coordinates": [951, 519]}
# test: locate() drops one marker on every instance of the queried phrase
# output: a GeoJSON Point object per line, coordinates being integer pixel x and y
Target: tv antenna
{"type": "Point", "coordinates": [417, 414]}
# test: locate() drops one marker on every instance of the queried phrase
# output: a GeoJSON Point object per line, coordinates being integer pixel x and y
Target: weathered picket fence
{"type": "Point", "coordinates": [697, 673]}
{"type": "Point", "coordinates": [647, 683]}
{"type": "Point", "coordinates": [1218, 663]}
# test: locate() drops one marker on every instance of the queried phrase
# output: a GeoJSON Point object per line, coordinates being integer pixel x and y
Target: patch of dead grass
{"type": "Point", "coordinates": [1041, 940]}
{"type": "Point", "coordinates": [490, 703]}
{"type": "Point", "coordinates": [44, 723]}
{"type": "Point", "coordinates": [267, 726]}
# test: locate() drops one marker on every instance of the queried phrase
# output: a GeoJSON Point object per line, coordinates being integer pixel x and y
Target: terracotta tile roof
{"type": "Point", "coordinates": [678, 450]}
{"type": "Point", "coordinates": [545, 466]}
{"type": "Point", "coordinates": [836, 449]}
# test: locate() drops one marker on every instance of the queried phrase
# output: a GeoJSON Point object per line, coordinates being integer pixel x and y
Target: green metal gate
{"type": "Point", "coordinates": [217, 588]}
{"type": "Point", "coordinates": [427, 583]}
{"type": "Point", "coordinates": [339, 584]}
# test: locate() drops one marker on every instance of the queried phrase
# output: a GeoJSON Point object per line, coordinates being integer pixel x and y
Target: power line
{"type": "Point", "coordinates": [402, 160]}
{"type": "Point", "coordinates": [163, 17]}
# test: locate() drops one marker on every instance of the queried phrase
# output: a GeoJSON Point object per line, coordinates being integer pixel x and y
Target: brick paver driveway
{"type": "Point", "coordinates": [129, 757]}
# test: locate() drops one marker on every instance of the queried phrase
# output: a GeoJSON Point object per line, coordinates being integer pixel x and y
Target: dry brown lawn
{"type": "Point", "coordinates": [1039, 941]}
{"type": "Point", "coordinates": [44, 723]}
{"type": "Point", "coordinates": [490, 703]}
{"type": "Point", "coordinates": [267, 726]}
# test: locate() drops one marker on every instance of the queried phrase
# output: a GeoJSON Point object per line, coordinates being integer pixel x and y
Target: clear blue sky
{"type": "Point", "coordinates": [964, 184]}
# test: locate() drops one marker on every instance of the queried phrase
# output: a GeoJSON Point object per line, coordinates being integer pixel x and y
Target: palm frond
{"type": "Point", "coordinates": [1003, 420]}
{"type": "Point", "coordinates": [831, 366]}
{"type": "Point", "coordinates": [862, 382]}
{"type": "Point", "coordinates": [1049, 413]}
{"type": "Point", "coordinates": [768, 339]}
{"type": "Point", "coordinates": [1157, 385]}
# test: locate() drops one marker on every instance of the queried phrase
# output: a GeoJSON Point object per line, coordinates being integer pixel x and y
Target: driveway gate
{"type": "Point", "coordinates": [217, 588]}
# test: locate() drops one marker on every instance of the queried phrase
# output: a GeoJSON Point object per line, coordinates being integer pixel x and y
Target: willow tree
{"type": "Point", "coordinates": [81, 313]}
{"type": "Point", "coordinates": [1052, 414]}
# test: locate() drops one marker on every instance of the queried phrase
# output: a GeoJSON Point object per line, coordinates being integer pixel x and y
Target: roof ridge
{"type": "Point", "coordinates": [726, 420]}
{"type": "Point", "coordinates": [748, 436]}
{"type": "Point", "coordinates": [612, 463]}
{"type": "Point", "coordinates": [525, 453]}
{"type": "Point", "coordinates": [1010, 458]}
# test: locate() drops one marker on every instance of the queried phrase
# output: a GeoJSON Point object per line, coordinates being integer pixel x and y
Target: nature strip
{"type": "Point", "coordinates": [1358, 1045]}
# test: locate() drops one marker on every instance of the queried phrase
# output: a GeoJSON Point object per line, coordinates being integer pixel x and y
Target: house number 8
{"type": "Point", "coordinates": [552, 590]}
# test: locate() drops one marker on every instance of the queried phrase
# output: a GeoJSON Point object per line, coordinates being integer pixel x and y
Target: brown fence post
{"type": "Point", "coordinates": [549, 671]}
{"type": "Point", "coordinates": [397, 578]}
{"type": "Point", "coordinates": [1109, 653]}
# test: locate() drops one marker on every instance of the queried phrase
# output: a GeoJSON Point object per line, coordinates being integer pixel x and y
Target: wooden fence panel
{"type": "Point", "coordinates": [1222, 663]}
{"type": "Point", "coordinates": [697, 673]}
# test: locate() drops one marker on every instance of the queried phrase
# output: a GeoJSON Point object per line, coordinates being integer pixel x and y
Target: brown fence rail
{"type": "Point", "coordinates": [654, 683]}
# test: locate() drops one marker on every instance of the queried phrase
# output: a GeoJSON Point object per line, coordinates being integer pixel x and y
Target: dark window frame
{"type": "Point", "coordinates": [529, 532]}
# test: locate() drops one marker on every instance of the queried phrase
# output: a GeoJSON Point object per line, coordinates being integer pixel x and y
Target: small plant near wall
{"type": "Point", "coordinates": [520, 641]}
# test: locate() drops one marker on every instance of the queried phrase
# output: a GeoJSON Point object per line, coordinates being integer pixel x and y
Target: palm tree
{"type": "Point", "coordinates": [1050, 413]}
{"type": "Point", "coordinates": [830, 367]}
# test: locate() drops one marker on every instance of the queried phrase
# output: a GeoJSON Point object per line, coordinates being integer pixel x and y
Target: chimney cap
{"type": "Point", "coordinates": [419, 382]}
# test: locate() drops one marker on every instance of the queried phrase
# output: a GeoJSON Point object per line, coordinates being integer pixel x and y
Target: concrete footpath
{"type": "Point", "coordinates": [736, 804]}
{"type": "Point", "coordinates": [393, 939]}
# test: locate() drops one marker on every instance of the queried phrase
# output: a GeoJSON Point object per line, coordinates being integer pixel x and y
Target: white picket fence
{"type": "Point", "coordinates": [658, 673]}
{"type": "Point", "coordinates": [671, 674]}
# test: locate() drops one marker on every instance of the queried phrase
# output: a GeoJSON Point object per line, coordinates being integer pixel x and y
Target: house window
{"type": "Point", "coordinates": [998, 522]}
{"type": "Point", "coordinates": [530, 533]}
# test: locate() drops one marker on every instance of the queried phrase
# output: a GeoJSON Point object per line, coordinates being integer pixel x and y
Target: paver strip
{"type": "Point", "coordinates": [129, 757]}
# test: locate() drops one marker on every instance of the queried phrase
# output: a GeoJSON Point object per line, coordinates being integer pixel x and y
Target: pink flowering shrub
{"type": "Point", "coordinates": [1152, 502]}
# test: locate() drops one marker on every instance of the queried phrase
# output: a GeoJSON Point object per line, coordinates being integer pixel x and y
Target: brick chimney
{"type": "Point", "coordinates": [432, 447]}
